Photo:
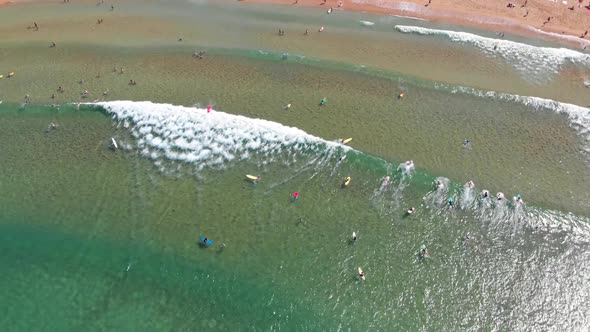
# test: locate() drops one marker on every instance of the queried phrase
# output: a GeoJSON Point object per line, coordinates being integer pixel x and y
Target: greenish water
{"type": "Point", "coordinates": [100, 239]}
{"type": "Point", "coordinates": [81, 215]}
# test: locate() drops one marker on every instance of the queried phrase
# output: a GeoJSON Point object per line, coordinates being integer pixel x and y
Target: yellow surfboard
{"type": "Point", "coordinates": [346, 141]}
{"type": "Point", "coordinates": [252, 177]}
{"type": "Point", "coordinates": [1, 76]}
{"type": "Point", "coordinates": [347, 181]}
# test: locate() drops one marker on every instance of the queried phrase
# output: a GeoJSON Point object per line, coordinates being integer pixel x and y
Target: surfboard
{"type": "Point", "coordinates": [347, 181]}
{"type": "Point", "coordinates": [11, 74]}
{"type": "Point", "coordinates": [209, 242]}
{"type": "Point", "coordinates": [1, 76]}
{"type": "Point", "coordinates": [346, 141]}
{"type": "Point", "coordinates": [361, 271]}
{"type": "Point", "coordinates": [114, 143]}
{"type": "Point", "coordinates": [251, 177]}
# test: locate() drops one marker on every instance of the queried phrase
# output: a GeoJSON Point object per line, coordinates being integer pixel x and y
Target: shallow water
{"type": "Point", "coordinates": [94, 238]}
{"type": "Point", "coordinates": [286, 263]}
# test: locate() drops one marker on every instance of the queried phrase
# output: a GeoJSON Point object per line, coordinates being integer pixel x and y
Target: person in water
{"type": "Point", "coordinates": [205, 240]}
{"type": "Point", "coordinates": [411, 210]}
{"type": "Point", "coordinates": [485, 194]}
{"type": "Point", "coordinates": [362, 274]}
{"type": "Point", "coordinates": [323, 102]}
{"type": "Point", "coordinates": [423, 251]}
{"type": "Point", "coordinates": [439, 183]}
{"type": "Point", "coordinates": [451, 201]}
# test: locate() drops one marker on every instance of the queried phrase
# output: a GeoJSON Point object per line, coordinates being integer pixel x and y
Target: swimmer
{"type": "Point", "coordinates": [342, 158]}
{"type": "Point", "coordinates": [485, 194]}
{"type": "Point", "coordinates": [386, 180]}
{"type": "Point", "coordinates": [470, 184]}
{"type": "Point", "coordinates": [439, 184]}
{"type": "Point", "coordinates": [330, 10]}
{"type": "Point", "coordinates": [411, 210]}
{"type": "Point", "coordinates": [401, 95]}
{"type": "Point", "coordinates": [208, 108]}
{"type": "Point", "coordinates": [500, 196]}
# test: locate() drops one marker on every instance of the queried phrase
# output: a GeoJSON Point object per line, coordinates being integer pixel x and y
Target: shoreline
{"type": "Point", "coordinates": [493, 16]}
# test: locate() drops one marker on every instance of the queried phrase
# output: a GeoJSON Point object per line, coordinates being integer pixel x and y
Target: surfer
{"type": "Point", "coordinates": [386, 180]}
{"type": "Point", "coordinates": [485, 194]}
{"type": "Point", "coordinates": [439, 184]}
{"type": "Point", "coordinates": [423, 251]}
{"type": "Point", "coordinates": [323, 101]}
{"type": "Point", "coordinates": [467, 143]}
{"type": "Point", "coordinates": [500, 196]}
{"type": "Point", "coordinates": [354, 236]}
{"type": "Point", "coordinates": [401, 95]}
{"type": "Point", "coordinates": [517, 198]}
{"type": "Point", "coordinates": [451, 201]}
{"type": "Point", "coordinates": [470, 184]}
{"type": "Point", "coordinates": [361, 274]}
{"type": "Point", "coordinates": [342, 158]}
{"type": "Point", "coordinates": [411, 210]}
{"type": "Point", "coordinates": [346, 181]}
{"type": "Point", "coordinates": [295, 195]}
{"type": "Point", "coordinates": [205, 240]}
{"type": "Point", "coordinates": [287, 107]}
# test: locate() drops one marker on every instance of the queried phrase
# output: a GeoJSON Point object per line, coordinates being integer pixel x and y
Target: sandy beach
{"type": "Point", "coordinates": [567, 23]}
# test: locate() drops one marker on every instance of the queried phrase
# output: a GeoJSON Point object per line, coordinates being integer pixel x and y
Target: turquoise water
{"type": "Point", "coordinates": [110, 239]}
{"type": "Point", "coordinates": [94, 238]}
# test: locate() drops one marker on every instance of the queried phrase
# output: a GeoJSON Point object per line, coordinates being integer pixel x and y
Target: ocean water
{"type": "Point", "coordinates": [111, 237]}
{"type": "Point", "coordinates": [95, 238]}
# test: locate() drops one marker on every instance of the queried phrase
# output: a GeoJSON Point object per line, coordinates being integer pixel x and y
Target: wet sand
{"type": "Point", "coordinates": [565, 26]}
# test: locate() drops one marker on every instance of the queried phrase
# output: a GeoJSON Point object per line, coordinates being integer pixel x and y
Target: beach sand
{"type": "Point", "coordinates": [565, 26]}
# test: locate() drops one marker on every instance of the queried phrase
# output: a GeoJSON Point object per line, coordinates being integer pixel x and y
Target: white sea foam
{"type": "Point", "coordinates": [191, 135]}
{"type": "Point", "coordinates": [578, 116]}
{"type": "Point", "coordinates": [537, 64]}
